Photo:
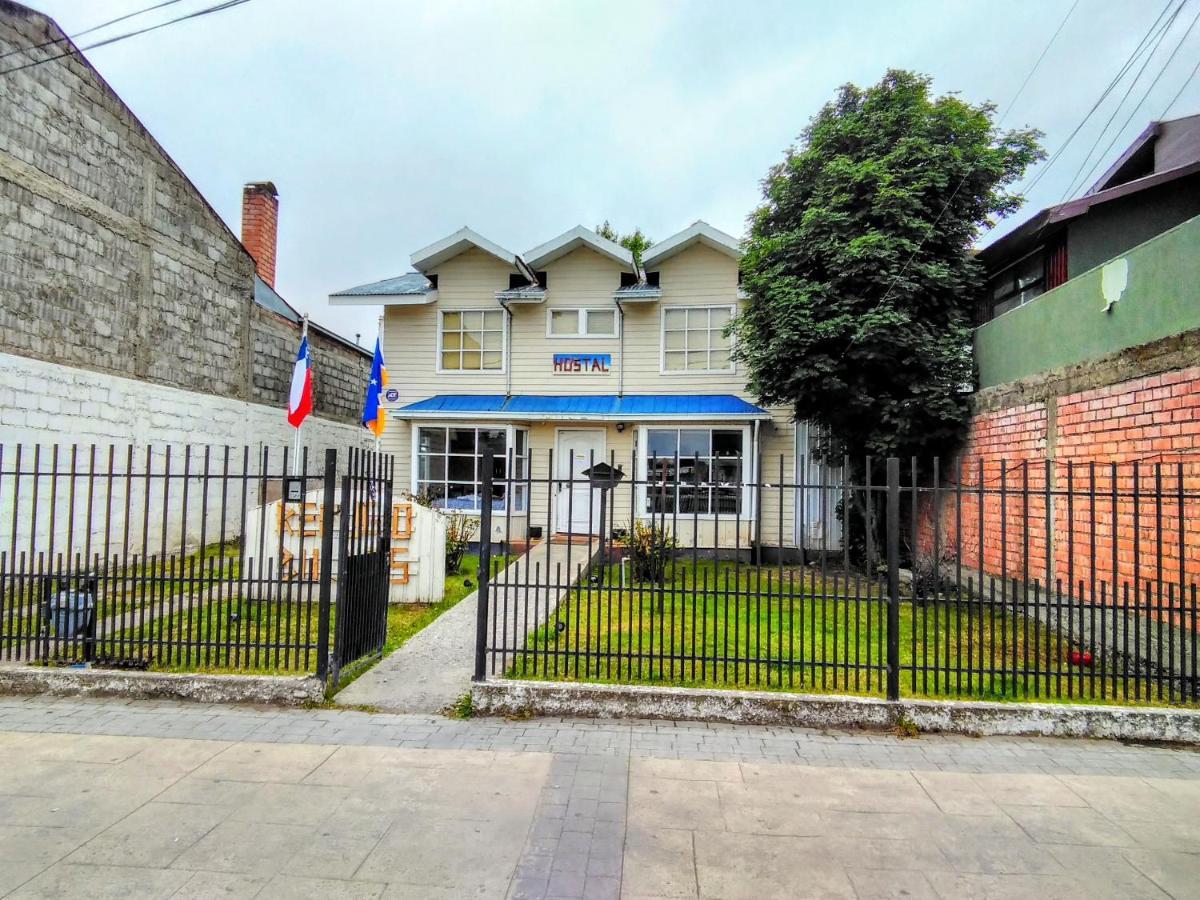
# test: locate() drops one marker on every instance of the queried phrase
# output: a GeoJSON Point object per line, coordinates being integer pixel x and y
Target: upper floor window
{"type": "Point", "coordinates": [471, 340]}
{"type": "Point", "coordinates": [693, 339]}
{"type": "Point", "coordinates": [593, 323]}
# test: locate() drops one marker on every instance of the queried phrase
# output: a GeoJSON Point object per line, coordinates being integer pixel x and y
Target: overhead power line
{"type": "Point", "coordinates": [93, 29]}
{"type": "Point", "coordinates": [219, 7]}
{"type": "Point", "coordinates": [1116, 79]}
{"type": "Point", "coordinates": [1182, 88]}
{"type": "Point", "coordinates": [957, 187]}
{"type": "Point", "coordinates": [1080, 179]}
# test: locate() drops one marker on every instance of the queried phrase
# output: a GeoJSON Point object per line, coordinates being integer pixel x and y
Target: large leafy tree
{"type": "Point", "coordinates": [858, 269]}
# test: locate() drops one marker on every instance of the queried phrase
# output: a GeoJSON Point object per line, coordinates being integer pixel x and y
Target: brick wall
{"type": "Point", "coordinates": [1138, 439]}
{"type": "Point", "coordinates": [111, 261]}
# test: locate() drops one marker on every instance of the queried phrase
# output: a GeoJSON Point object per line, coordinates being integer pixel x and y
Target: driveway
{"type": "Point", "coordinates": [111, 799]}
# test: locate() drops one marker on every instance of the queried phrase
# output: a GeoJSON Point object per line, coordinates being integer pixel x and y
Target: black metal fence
{"type": "Point", "coordinates": [988, 580]}
{"type": "Point", "coordinates": [191, 558]}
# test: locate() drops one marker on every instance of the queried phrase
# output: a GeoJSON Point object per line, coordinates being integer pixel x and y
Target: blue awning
{"type": "Point", "coordinates": [586, 407]}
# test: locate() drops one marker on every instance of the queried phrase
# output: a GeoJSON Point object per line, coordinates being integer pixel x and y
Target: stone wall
{"type": "Point", "coordinates": [111, 261]}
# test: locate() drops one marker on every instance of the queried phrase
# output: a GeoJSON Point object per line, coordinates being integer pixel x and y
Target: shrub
{"type": "Point", "coordinates": [650, 546]}
{"type": "Point", "coordinates": [459, 532]}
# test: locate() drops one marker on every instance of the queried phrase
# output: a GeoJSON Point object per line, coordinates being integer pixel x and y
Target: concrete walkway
{"type": "Point", "coordinates": [434, 668]}
{"type": "Point", "coordinates": [110, 799]}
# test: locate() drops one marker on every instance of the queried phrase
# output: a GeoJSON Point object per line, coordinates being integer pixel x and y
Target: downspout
{"type": "Point", "coordinates": [620, 347]}
{"type": "Point", "coordinates": [507, 347]}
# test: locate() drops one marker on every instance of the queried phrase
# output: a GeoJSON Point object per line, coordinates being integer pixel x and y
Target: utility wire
{"type": "Point", "coordinates": [1179, 93]}
{"type": "Point", "coordinates": [94, 28]}
{"type": "Point", "coordinates": [963, 179]}
{"type": "Point", "coordinates": [1133, 57]}
{"type": "Point", "coordinates": [1079, 180]}
{"type": "Point", "coordinates": [219, 7]}
{"type": "Point", "coordinates": [1146, 95]}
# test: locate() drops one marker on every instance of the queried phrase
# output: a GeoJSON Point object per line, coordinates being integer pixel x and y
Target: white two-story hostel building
{"type": "Point", "coordinates": [572, 347]}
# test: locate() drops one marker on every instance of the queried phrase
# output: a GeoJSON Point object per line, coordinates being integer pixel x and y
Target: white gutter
{"type": "Point", "coordinates": [620, 347]}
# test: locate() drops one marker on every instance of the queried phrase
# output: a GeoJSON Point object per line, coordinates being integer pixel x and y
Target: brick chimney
{"type": "Point", "coordinates": [260, 224]}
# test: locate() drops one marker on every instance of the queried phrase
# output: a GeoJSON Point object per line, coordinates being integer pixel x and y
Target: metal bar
{"type": "Point", "coordinates": [893, 576]}
{"type": "Point", "coordinates": [485, 565]}
{"type": "Point", "coordinates": [325, 591]}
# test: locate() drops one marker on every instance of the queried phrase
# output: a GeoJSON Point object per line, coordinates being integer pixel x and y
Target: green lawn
{"type": "Point", "coordinates": [722, 625]}
{"type": "Point", "coordinates": [229, 636]}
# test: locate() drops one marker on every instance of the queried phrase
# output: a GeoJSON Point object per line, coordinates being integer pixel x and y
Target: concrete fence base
{"type": "Point", "coordinates": [500, 697]}
{"type": "Point", "coordinates": [275, 690]}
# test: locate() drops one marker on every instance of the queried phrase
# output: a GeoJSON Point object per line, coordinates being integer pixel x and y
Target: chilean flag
{"type": "Point", "coordinates": [300, 399]}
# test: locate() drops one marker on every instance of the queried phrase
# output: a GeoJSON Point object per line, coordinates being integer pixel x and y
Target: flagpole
{"type": "Point", "coordinates": [296, 442]}
{"type": "Point", "coordinates": [379, 340]}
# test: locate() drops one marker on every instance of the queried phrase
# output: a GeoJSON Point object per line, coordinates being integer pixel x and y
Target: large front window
{"type": "Point", "coordinates": [694, 339]}
{"type": "Point", "coordinates": [471, 340]}
{"type": "Point", "coordinates": [449, 466]}
{"type": "Point", "coordinates": [695, 471]}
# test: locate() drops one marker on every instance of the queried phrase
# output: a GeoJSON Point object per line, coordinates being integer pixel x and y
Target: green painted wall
{"type": "Point", "coordinates": [1120, 225]}
{"type": "Point", "coordinates": [1069, 325]}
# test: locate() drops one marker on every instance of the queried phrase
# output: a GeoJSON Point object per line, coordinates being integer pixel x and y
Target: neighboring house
{"type": "Point", "coordinates": [572, 349]}
{"type": "Point", "coordinates": [1089, 353]}
{"type": "Point", "coordinates": [1150, 188]}
{"type": "Point", "coordinates": [129, 312]}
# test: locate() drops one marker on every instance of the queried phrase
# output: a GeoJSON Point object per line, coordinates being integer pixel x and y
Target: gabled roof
{"type": "Point", "coordinates": [697, 233]}
{"type": "Point", "coordinates": [449, 247]}
{"type": "Point", "coordinates": [572, 240]}
{"type": "Point", "coordinates": [1164, 152]}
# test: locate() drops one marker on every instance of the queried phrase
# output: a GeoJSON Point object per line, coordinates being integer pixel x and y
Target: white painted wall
{"type": "Point", "coordinates": [43, 404]}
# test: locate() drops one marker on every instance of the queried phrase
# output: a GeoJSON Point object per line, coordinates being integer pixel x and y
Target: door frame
{"type": "Point", "coordinates": [558, 519]}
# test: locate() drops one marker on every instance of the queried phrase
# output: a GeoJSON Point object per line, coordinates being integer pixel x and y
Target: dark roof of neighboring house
{"type": "Point", "coordinates": [408, 284]}
{"type": "Point", "coordinates": [1163, 153]}
{"type": "Point", "coordinates": [265, 296]}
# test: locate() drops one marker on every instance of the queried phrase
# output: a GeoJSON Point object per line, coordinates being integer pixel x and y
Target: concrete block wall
{"type": "Point", "coordinates": [111, 260]}
{"type": "Point", "coordinates": [45, 404]}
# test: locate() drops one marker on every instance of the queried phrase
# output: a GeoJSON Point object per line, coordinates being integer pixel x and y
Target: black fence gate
{"type": "Point", "coordinates": [363, 580]}
{"type": "Point", "coordinates": [192, 558]}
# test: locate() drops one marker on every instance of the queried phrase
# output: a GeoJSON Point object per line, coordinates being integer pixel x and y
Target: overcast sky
{"type": "Point", "coordinates": [387, 124]}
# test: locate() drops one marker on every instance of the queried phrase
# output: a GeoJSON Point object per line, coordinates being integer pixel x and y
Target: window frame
{"type": "Point", "coordinates": [662, 340]}
{"type": "Point", "coordinates": [582, 314]}
{"type": "Point", "coordinates": [504, 330]}
{"type": "Point", "coordinates": [510, 433]}
{"type": "Point", "coordinates": [749, 476]}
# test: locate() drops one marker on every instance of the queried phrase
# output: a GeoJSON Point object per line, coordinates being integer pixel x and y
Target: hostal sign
{"type": "Point", "coordinates": [582, 363]}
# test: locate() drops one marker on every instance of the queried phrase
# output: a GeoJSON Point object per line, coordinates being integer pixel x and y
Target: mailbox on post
{"type": "Point", "coordinates": [604, 478]}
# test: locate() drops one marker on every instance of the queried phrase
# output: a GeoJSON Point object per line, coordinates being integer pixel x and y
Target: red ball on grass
{"type": "Point", "coordinates": [1087, 658]}
{"type": "Point", "coordinates": [1076, 657]}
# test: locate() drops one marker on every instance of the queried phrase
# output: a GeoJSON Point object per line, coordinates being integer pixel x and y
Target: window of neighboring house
{"type": "Point", "coordinates": [693, 339]}
{"type": "Point", "coordinates": [695, 471]}
{"type": "Point", "coordinates": [1026, 280]}
{"type": "Point", "coordinates": [449, 466]}
{"type": "Point", "coordinates": [471, 340]}
{"type": "Point", "coordinates": [591, 323]}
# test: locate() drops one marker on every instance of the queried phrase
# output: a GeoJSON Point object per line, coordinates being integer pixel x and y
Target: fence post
{"type": "Point", "coordinates": [485, 566]}
{"type": "Point", "coordinates": [893, 577]}
{"type": "Point", "coordinates": [326, 564]}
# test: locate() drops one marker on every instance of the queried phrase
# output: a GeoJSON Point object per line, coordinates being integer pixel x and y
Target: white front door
{"type": "Point", "coordinates": [577, 504]}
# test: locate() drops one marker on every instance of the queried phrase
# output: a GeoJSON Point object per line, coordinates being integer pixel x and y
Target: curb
{"type": "Point", "coordinates": [274, 690]}
{"type": "Point", "coordinates": [975, 718]}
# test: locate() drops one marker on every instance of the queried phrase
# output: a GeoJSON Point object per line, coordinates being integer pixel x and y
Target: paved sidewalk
{"type": "Point", "coordinates": [111, 799]}
{"type": "Point", "coordinates": [434, 668]}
